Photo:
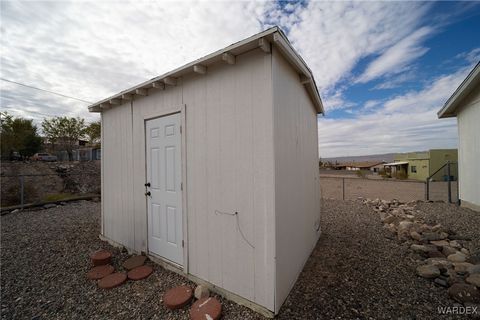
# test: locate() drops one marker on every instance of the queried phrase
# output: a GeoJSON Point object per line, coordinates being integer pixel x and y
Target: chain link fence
{"type": "Point", "coordinates": [443, 184]}
{"type": "Point", "coordinates": [20, 190]}
{"type": "Point", "coordinates": [351, 188]}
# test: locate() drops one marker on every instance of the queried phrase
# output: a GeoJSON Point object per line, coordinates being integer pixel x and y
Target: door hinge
{"type": "Point", "coordinates": [180, 129]}
{"type": "Point", "coordinates": [181, 186]}
{"type": "Point", "coordinates": [183, 244]}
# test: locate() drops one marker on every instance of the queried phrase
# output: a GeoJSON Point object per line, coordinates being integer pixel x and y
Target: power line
{"type": "Point", "coordinates": [29, 111]}
{"type": "Point", "coordinates": [56, 93]}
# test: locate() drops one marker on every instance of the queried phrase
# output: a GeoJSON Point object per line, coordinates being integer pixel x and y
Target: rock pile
{"type": "Point", "coordinates": [440, 252]}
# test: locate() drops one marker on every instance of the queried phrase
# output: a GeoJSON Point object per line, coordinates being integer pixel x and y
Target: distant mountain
{"type": "Point", "coordinates": [387, 157]}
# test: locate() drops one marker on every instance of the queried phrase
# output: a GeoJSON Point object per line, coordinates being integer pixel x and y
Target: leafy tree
{"type": "Point", "coordinates": [18, 135]}
{"type": "Point", "coordinates": [64, 132]}
{"type": "Point", "coordinates": [93, 132]}
{"type": "Point", "coordinates": [31, 145]}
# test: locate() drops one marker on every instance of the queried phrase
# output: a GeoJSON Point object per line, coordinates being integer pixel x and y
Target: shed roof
{"type": "Point", "coordinates": [471, 81]}
{"type": "Point", "coordinates": [274, 36]}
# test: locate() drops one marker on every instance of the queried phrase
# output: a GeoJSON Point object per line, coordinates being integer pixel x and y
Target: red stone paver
{"type": "Point", "coordinates": [140, 273]}
{"type": "Point", "coordinates": [206, 308]}
{"type": "Point", "coordinates": [100, 272]}
{"type": "Point", "coordinates": [101, 257]}
{"type": "Point", "coordinates": [134, 261]}
{"type": "Point", "coordinates": [177, 297]}
{"type": "Point", "coordinates": [112, 280]}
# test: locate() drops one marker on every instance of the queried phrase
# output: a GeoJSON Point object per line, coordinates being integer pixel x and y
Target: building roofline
{"type": "Point", "coordinates": [452, 104]}
{"type": "Point", "coordinates": [274, 36]}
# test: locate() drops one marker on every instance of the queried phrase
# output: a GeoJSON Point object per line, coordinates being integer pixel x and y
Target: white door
{"type": "Point", "coordinates": [163, 188]}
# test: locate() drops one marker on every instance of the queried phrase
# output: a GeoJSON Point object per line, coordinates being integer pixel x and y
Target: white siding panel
{"type": "Point", "coordinates": [230, 168]}
{"type": "Point", "coordinates": [117, 197]}
{"type": "Point", "coordinates": [157, 103]}
{"type": "Point", "coordinates": [469, 149]}
{"type": "Point", "coordinates": [230, 152]}
{"type": "Point", "coordinates": [297, 190]}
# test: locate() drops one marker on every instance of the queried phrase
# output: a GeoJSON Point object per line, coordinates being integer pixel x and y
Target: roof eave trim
{"type": "Point", "coordinates": [278, 38]}
{"type": "Point", "coordinates": [450, 107]}
{"type": "Point", "coordinates": [281, 41]}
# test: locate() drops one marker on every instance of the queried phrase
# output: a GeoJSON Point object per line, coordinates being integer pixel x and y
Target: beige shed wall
{"type": "Point", "coordinates": [468, 118]}
{"type": "Point", "coordinates": [297, 185]}
{"type": "Point", "coordinates": [229, 167]}
{"type": "Point", "coordinates": [117, 175]}
{"type": "Point", "coordinates": [157, 103]}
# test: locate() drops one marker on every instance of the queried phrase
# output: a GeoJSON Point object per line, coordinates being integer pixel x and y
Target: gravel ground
{"type": "Point", "coordinates": [355, 272]}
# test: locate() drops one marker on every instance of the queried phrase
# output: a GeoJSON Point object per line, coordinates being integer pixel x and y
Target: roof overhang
{"type": "Point", "coordinates": [399, 163]}
{"type": "Point", "coordinates": [454, 102]}
{"type": "Point", "coordinates": [262, 40]}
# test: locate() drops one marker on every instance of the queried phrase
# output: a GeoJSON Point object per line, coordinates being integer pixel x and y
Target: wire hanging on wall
{"type": "Point", "coordinates": [238, 225]}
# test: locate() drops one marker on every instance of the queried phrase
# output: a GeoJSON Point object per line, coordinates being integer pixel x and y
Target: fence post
{"type": "Point", "coordinates": [21, 191]}
{"type": "Point", "coordinates": [343, 188]}
{"type": "Point", "coordinates": [427, 191]}
{"type": "Point", "coordinates": [458, 194]}
{"type": "Point", "coordinates": [449, 183]}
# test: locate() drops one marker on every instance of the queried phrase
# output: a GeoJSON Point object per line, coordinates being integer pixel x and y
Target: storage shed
{"type": "Point", "coordinates": [213, 169]}
{"type": "Point", "coordinates": [464, 104]}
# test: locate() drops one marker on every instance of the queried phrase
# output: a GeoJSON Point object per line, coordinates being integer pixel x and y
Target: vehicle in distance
{"type": "Point", "coordinates": [44, 157]}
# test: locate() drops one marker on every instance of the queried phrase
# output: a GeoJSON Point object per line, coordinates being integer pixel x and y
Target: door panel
{"type": "Point", "coordinates": [163, 143]}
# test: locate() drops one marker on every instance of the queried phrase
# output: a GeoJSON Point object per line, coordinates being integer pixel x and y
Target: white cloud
{"type": "Point", "coordinates": [335, 100]}
{"type": "Point", "coordinates": [371, 104]}
{"type": "Point", "coordinates": [94, 49]}
{"type": "Point", "coordinates": [334, 36]}
{"type": "Point", "coordinates": [396, 81]}
{"type": "Point", "coordinates": [472, 56]}
{"type": "Point", "coordinates": [402, 123]}
{"type": "Point", "coordinates": [396, 58]}
{"type": "Point", "coordinates": [91, 50]}
{"type": "Point", "coordinates": [433, 95]}
{"type": "Point", "coordinates": [376, 133]}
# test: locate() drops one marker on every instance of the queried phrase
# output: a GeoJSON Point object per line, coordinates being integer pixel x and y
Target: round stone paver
{"type": "Point", "coordinates": [177, 297]}
{"type": "Point", "coordinates": [112, 280]}
{"type": "Point", "coordinates": [134, 261]}
{"type": "Point", "coordinates": [101, 257]}
{"type": "Point", "coordinates": [100, 272]}
{"type": "Point", "coordinates": [140, 273]}
{"type": "Point", "coordinates": [206, 308]}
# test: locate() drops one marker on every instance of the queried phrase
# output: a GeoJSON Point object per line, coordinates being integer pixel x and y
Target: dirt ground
{"type": "Point", "coordinates": [46, 179]}
{"type": "Point", "coordinates": [354, 272]}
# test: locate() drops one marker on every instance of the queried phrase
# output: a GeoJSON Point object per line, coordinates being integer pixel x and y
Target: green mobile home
{"type": "Point", "coordinates": [421, 165]}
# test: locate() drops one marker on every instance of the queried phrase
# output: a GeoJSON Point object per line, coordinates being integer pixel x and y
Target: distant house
{"type": "Point", "coordinates": [374, 166]}
{"type": "Point", "coordinates": [464, 104]}
{"type": "Point", "coordinates": [422, 165]}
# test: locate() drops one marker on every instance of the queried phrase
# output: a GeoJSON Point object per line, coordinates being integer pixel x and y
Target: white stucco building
{"type": "Point", "coordinates": [212, 169]}
{"type": "Point", "coordinates": [465, 105]}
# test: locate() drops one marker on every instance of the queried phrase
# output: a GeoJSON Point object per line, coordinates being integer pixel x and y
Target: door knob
{"type": "Point", "coordinates": [148, 193]}
{"type": "Point", "coordinates": [147, 184]}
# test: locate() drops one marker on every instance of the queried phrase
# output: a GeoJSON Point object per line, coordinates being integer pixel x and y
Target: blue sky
{"type": "Point", "coordinates": [445, 51]}
{"type": "Point", "coordinates": [383, 68]}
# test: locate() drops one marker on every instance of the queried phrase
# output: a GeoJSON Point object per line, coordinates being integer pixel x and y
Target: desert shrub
{"type": "Point", "coordinates": [360, 174]}
{"type": "Point", "coordinates": [57, 196]}
{"type": "Point", "coordinates": [401, 175]}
